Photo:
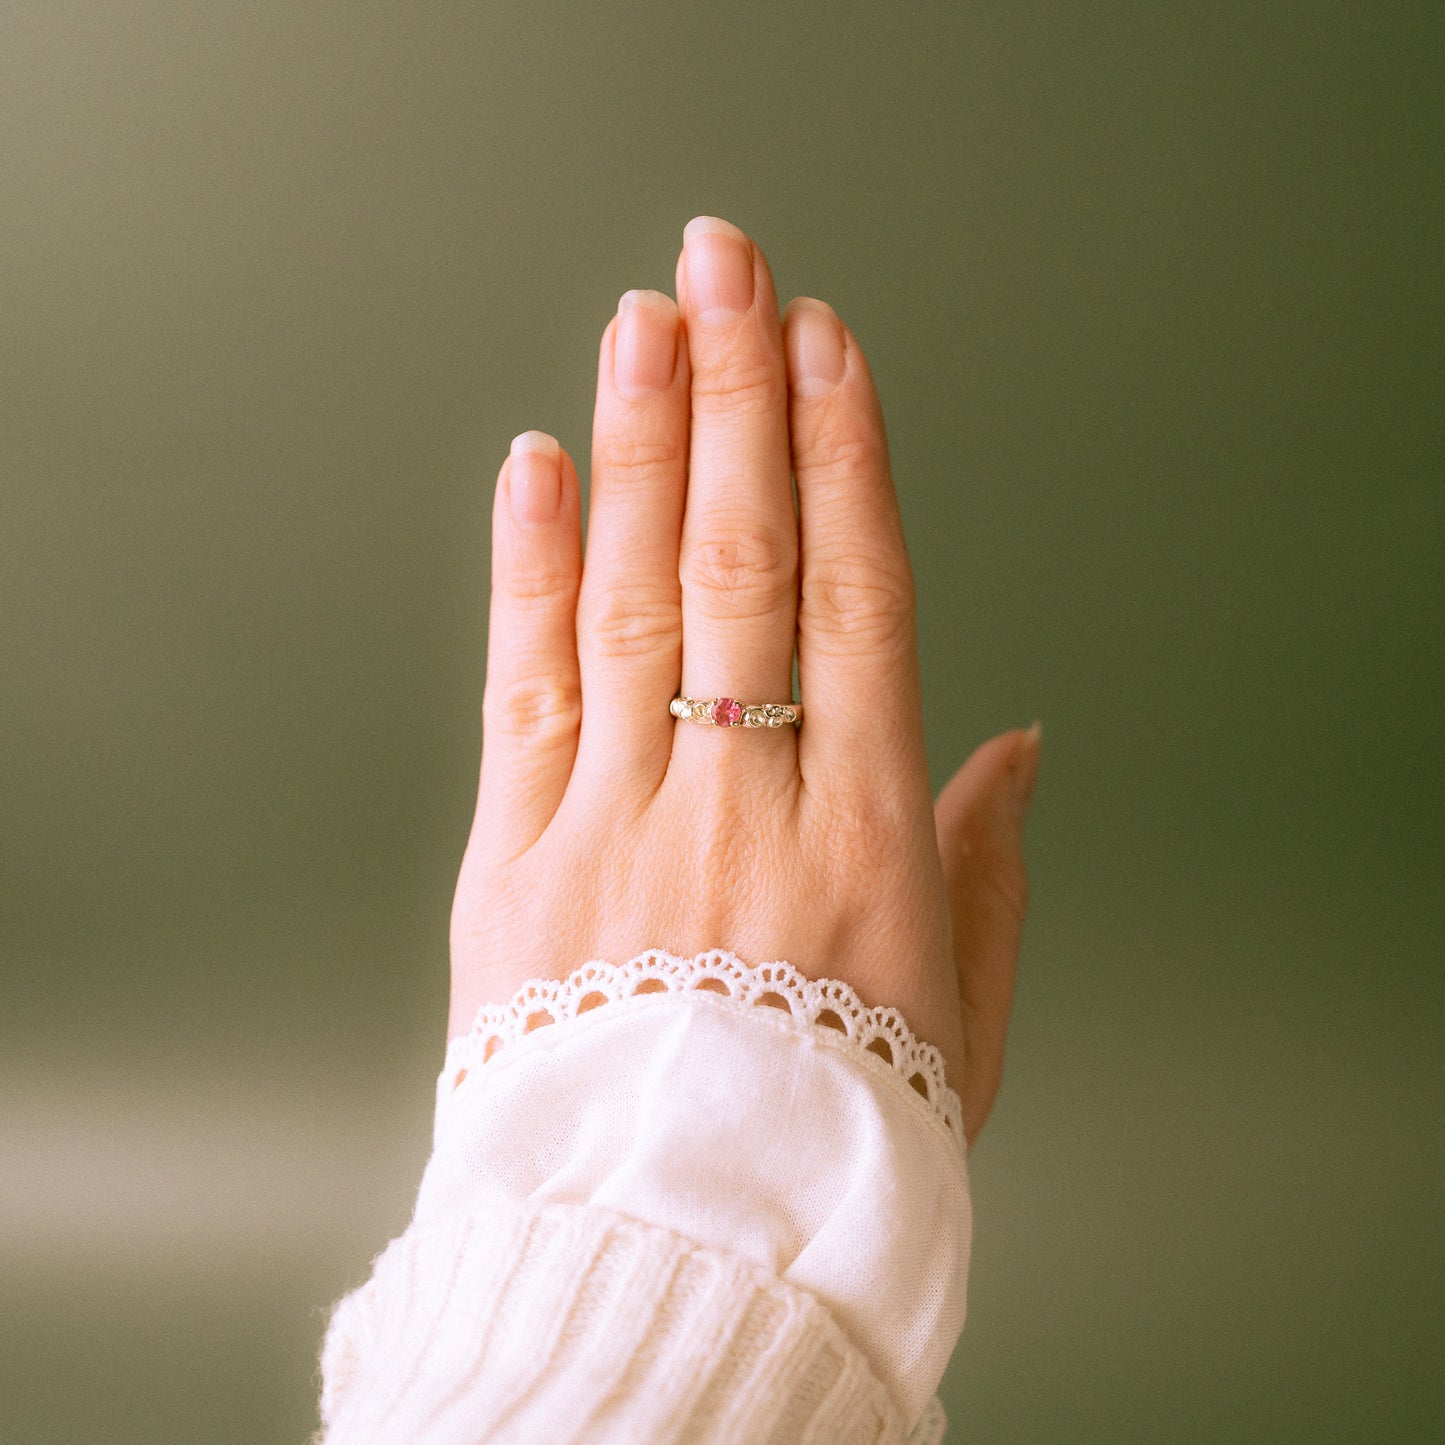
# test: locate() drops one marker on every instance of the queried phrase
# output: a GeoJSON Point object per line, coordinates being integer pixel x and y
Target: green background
{"type": "Point", "coordinates": [1150, 291]}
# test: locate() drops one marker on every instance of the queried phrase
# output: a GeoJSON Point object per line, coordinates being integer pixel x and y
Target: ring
{"type": "Point", "coordinates": [728, 712]}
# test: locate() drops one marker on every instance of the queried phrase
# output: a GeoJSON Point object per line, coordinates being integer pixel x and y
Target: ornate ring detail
{"type": "Point", "coordinates": [728, 712]}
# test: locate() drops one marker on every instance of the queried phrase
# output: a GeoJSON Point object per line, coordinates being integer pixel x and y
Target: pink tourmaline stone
{"type": "Point", "coordinates": [727, 712]}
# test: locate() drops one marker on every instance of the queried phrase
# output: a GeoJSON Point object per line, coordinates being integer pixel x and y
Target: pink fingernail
{"type": "Point", "coordinates": [534, 478]}
{"type": "Point", "coordinates": [645, 344]}
{"type": "Point", "coordinates": [719, 265]}
{"type": "Point", "coordinates": [814, 337]}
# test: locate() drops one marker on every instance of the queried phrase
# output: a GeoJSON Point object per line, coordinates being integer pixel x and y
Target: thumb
{"type": "Point", "coordinates": [979, 818]}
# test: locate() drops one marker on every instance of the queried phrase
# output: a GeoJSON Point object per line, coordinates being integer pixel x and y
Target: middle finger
{"type": "Point", "coordinates": [739, 557]}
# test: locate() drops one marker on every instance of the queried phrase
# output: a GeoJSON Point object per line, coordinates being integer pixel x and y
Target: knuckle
{"type": "Point", "coordinates": [1006, 879]}
{"type": "Point", "coordinates": [742, 378]}
{"type": "Point", "coordinates": [541, 706]}
{"type": "Point", "coordinates": [996, 869]}
{"type": "Point", "coordinates": [865, 830]}
{"type": "Point", "coordinates": [626, 459]}
{"type": "Point", "coordinates": [842, 456]}
{"type": "Point", "coordinates": [744, 574]}
{"type": "Point", "coordinates": [539, 585]}
{"type": "Point", "coordinates": [859, 599]}
{"type": "Point", "coordinates": [633, 626]}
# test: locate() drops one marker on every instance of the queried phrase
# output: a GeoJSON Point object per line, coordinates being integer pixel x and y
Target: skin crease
{"type": "Point", "coordinates": [603, 825]}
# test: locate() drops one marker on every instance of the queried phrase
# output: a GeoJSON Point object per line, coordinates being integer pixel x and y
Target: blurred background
{"type": "Point", "coordinates": [1151, 295]}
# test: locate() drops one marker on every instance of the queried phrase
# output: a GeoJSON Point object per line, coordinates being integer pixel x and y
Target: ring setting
{"type": "Point", "coordinates": [728, 712]}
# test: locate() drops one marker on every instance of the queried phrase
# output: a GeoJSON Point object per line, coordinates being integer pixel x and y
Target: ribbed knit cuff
{"type": "Point", "coordinates": [568, 1323]}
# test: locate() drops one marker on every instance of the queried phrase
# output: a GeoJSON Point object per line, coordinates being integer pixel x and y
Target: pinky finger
{"type": "Point", "coordinates": [532, 704]}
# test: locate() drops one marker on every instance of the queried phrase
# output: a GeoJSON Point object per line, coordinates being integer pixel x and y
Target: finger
{"type": "Point", "coordinates": [857, 652]}
{"type": "Point", "coordinates": [629, 621]}
{"type": "Point", "coordinates": [532, 703]}
{"type": "Point", "coordinates": [980, 817]}
{"type": "Point", "coordinates": [738, 560]}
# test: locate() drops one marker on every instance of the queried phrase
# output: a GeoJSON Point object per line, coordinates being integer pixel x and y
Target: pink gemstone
{"type": "Point", "coordinates": [726, 712]}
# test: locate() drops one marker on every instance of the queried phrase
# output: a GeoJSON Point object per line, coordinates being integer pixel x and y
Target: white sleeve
{"type": "Point", "coordinates": [676, 1200]}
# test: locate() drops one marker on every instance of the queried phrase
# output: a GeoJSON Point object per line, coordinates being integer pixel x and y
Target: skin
{"type": "Point", "coordinates": [603, 825]}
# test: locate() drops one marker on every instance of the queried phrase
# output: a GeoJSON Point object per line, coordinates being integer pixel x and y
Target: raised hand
{"type": "Point", "coordinates": [604, 825]}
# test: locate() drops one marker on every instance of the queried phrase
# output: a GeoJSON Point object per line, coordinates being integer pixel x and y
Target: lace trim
{"type": "Point", "coordinates": [816, 1003]}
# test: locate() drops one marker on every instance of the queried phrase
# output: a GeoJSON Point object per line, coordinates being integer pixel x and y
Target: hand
{"type": "Point", "coordinates": [604, 826]}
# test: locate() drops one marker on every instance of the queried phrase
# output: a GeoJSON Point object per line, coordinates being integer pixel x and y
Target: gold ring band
{"type": "Point", "coordinates": [728, 712]}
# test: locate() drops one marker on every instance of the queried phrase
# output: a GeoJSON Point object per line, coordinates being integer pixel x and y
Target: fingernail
{"type": "Point", "coordinates": [534, 478]}
{"type": "Point", "coordinates": [1025, 771]}
{"type": "Point", "coordinates": [645, 347]}
{"type": "Point", "coordinates": [814, 338]}
{"type": "Point", "coordinates": [719, 265]}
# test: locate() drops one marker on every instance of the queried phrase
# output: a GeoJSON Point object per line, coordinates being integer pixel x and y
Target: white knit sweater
{"type": "Point", "coordinates": [672, 1202]}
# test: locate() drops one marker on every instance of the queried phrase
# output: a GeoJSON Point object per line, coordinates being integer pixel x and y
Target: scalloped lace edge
{"type": "Point", "coordinates": [826, 1003]}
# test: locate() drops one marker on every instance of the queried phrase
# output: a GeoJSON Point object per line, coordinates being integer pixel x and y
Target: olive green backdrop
{"type": "Point", "coordinates": [1150, 293]}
